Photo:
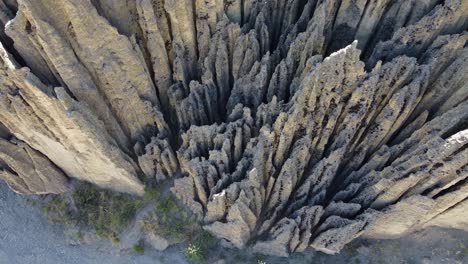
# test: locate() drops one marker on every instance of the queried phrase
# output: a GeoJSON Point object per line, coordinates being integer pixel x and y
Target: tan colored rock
{"type": "Point", "coordinates": [29, 172]}
{"type": "Point", "coordinates": [286, 124]}
{"type": "Point", "coordinates": [63, 129]}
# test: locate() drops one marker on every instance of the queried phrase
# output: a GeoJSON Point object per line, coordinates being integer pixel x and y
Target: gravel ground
{"type": "Point", "coordinates": [26, 237]}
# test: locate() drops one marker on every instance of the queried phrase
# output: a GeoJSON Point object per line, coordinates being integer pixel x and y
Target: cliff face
{"type": "Point", "coordinates": [281, 130]}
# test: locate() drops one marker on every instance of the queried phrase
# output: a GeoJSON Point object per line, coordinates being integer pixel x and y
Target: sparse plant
{"type": "Point", "coordinates": [150, 223]}
{"type": "Point", "coordinates": [163, 259]}
{"type": "Point", "coordinates": [139, 248]}
{"type": "Point", "coordinates": [239, 256]}
{"type": "Point", "coordinates": [79, 236]}
{"type": "Point", "coordinates": [194, 253]}
{"type": "Point", "coordinates": [114, 238]}
{"type": "Point", "coordinates": [352, 249]}
{"type": "Point", "coordinates": [204, 240]}
{"type": "Point", "coordinates": [151, 194]}
{"type": "Point", "coordinates": [200, 243]}
{"type": "Point", "coordinates": [464, 250]}
{"type": "Point", "coordinates": [167, 205]}
{"type": "Point", "coordinates": [258, 259]}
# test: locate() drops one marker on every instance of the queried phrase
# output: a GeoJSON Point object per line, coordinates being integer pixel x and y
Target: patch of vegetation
{"type": "Point", "coordinates": [259, 259]}
{"type": "Point", "coordinates": [171, 221]}
{"type": "Point", "coordinates": [464, 249]}
{"type": "Point", "coordinates": [79, 236]}
{"type": "Point", "coordinates": [162, 259]}
{"type": "Point", "coordinates": [114, 238]}
{"type": "Point", "coordinates": [167, 206]}
{"type": "Point", "coordinates": [152, 193]}
{"type": "Point", "coordinates": [194, 253]}
{"type": "Point", "coordinates": [106, 211]}
{"type": "Point", "coordinates": [204, 241]}
{"type": "Point", "coordinates": [57, 211]}
{"type": "Point", "coordinates": [109, 212]}
{"type": "Point", "coordinates": [139, 248]}
{"type": "Point", "coordinates": [240, 256]}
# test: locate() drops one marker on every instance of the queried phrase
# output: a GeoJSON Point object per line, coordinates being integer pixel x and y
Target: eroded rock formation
{"type": "Point", "coordinates": [286, 124]}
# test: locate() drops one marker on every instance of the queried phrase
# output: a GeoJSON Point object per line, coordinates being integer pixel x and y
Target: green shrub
{"type": "Point", "coordinates": [152, 194]}
{"type": "Point", "coordinates": [79, 236]}
{"type": "Point", "coordinates": [204, 240]}
{"type": "Point", "coordinates": [194, 253]}
{"type": "Point", "coordinates": [200, 243]}
{"type": "Point", "coordinates": [139, 248]}
{"type": "Point", "coordinates": [174, 231]}
{"type": "Point", "coordinates": [167, 205]}
{"type": "Point", "coordinates": [114, 238]}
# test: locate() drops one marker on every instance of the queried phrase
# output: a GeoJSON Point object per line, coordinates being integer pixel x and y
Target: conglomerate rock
{"type": "Point", "coordinates": [287, 124]}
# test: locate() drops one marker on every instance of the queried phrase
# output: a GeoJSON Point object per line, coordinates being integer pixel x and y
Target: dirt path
{"type": "Point", "coordinates": [27, 238]}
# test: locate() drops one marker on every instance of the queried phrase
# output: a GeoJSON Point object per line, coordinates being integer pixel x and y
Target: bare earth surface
{"type": "Point", "coordinates": [27, 238]}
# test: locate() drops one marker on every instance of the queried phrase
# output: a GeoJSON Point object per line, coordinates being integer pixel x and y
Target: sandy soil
{"type": "Point", "coordinates": [26, 237]}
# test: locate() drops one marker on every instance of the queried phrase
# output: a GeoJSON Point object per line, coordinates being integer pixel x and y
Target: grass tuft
{"type": "Point", "coordinates": [194, 253]}
{"type": "Point", "coordinates": [139, 248]}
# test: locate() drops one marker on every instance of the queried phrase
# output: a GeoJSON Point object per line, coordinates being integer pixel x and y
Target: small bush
{"type": "Point", "coordinates": [167, 206]}
{"type": "Point", "coordinates": [114, 238]}
{"type": "Point", "coordinates": [79, 236]}
{"type": "Point", "coordinates": [194, 253]}
{"type": "Point", "coordinates": [201, 242]}
{"type": "Point", "coordinates": [152, 194]}
{"type": "Point", "coordinates": [204, 240]}
{"type": "Point", "coordinates": [139, 248]}
{"type": "Point", "coordinates": [464, 250]}
{"type": "Point", "coordinates": [259, 259]}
